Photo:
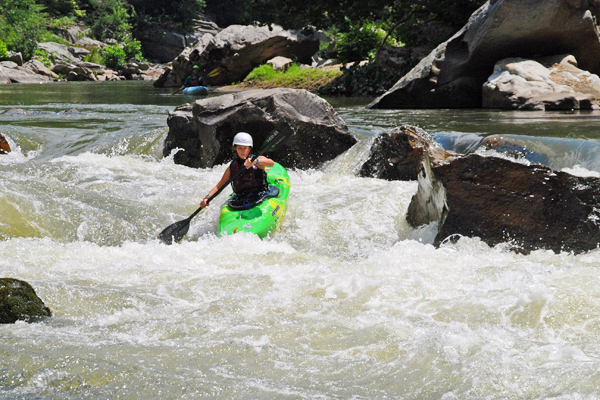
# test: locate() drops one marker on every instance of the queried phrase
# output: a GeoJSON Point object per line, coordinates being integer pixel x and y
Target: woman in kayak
{"type": "Point", "coordinates": [251, 182]}
{"type": "Point", "coordinates": [194, 79]}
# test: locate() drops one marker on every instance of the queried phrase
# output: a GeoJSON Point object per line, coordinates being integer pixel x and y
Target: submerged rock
{"type": "Point", "coordinates": [19, 302]}
{"type": "Point", "coordinates": [205, 129]}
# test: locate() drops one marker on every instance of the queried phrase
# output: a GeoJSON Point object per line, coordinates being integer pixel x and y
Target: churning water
{"type": "Point", "coordinates": [345, 301]}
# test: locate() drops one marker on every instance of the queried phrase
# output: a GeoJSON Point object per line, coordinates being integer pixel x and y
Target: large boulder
{"type": "Point", "coordinates": [37, 67]}
{"type": "Point", "coordinates": [452, 75]}
{"type": "Point", "coordinates": [162, 45]}
{"type": "Point", "coordinates": [526, 206]}
{"type": "Point", "coordinates": [551, 84]}
{"type": "Point", "coordinates": [237, 50]}
{"type": "Point", "coordinates": [398, 155]}
{"type": "Point", "coordinates": [205, 129]}
{"type": "Point", "coordinates": [10, 72]}
{"type": "Point", "coordinates": [19, 302]}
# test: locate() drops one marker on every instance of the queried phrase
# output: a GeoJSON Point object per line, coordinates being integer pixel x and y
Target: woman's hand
{"type": "Point", "coordinates": [249, 162]}
{"type": "Point", "coordinates": [204, 203]}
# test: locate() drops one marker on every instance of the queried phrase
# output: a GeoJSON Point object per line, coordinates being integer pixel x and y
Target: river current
{"type": "Point", "coordinates": [344, 301]}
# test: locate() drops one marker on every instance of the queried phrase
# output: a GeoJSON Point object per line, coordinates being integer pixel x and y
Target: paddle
{"type": "Point", "coordinates": [176, 231]}
{"type": "Point", "coordinates": [211, 74]}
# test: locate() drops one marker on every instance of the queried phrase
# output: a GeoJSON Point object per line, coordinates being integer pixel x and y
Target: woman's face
{"type": "Point", "coordinates": [242, 151]}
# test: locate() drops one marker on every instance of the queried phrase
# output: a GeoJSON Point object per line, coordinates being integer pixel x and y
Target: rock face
{"type": "Point", "coordinates": [528, 206]}
{"type": "Point", "coordinates": [556, 84]}
{"type": "Point", "coordinates": [398, 155]}
{"type": "Point", "coordinates": [163, 46]}
{"type": "Point", "coordinates": [237, 50]}
{"type": "Point", "coordinates": [452, 75]}
{"type": "Point", "coordinates": [18, 302]}
{"type": "Point", "coordinates": [205, 129]}
{"type": "Point", "coordinates": [10, 72]}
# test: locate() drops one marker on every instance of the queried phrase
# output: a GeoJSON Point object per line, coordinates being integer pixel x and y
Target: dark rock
{"type": "Point", "coordinates": [528, 207]}
{"type": "Point", "coordinates": [205, 129]}
{"type": "Point", "coordinates": [4, 146]}
{"type": "Point", "coordinates": [15, 57]}
{"type": "Point", "coordinates": [452, 75]}
{"type": "Point", "coordinates": [18, 302]}
{"type": "Point", "coordinates": [398, 155]}
{"type": "Point", "coordinates": [162, 45]}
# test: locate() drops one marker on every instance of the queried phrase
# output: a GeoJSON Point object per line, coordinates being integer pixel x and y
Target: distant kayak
{"type": "Point", "coordinates": [196, 91]}
{"type": "Point", "coordinates": [239, 215]}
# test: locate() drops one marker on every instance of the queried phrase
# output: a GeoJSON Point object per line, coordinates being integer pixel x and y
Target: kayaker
{"type": "Point", "coordinates": [250, 182]}
{"type": "Point", "coordinates": [194, 79]}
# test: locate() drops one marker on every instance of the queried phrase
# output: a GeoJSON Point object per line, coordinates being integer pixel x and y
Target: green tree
{"type": "Point", "coordinates": [109, 18]}
{"type": "Point", "coordinates": [114, 56]}
{"type": "Point", "coordinates": [404, 15]}
{"type": "Point", "coordinates": [178, 13]}
{"type": "Point", "coordinates": [65, 8]}
{"type": "Point", "coordinates": [22, 23]}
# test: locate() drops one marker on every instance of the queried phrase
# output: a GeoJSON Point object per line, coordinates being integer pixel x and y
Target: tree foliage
{"type": "Point", "coordinates": [21, 25]}
{"type": "Point", "coordinates": [405, 14]}
{"type": "Point", "coordinates": [178, 13]}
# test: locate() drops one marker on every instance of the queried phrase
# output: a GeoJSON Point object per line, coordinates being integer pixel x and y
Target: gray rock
{"type": "Point", "coordinates": [17, 58]}
{"type": "Point", "coordinates": [452, 75]}
{"type": "Point", "coordinates": [37, 67]}
{"type": "Point", "coordinates": [57, 52]}
{"type": "Point", "coordinates": [89, 43]}
{"type": "Point", "coordinates": [237, 50]}
{"type": "Point", "coordinates": [529, 85]}
{"type": "Point", "coordinates": [205, 129]}
{"type": "Point", "coordinates": [10, 72]}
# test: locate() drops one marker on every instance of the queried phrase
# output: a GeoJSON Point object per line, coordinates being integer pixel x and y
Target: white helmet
{"type": "Point", "coordinates": [243, 139]}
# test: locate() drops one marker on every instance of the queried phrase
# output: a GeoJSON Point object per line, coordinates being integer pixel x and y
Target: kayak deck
{"type": "Point", "coordinates": [263, 218]}
{"type": "Point", "coordinates": [196, 90]}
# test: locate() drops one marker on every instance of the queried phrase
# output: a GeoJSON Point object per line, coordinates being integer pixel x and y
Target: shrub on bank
{"type": "Point", "coordinates": [295, 77]}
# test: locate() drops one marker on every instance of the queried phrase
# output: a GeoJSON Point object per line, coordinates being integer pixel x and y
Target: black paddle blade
{"type": "Point", "coordinates": [175, 232]}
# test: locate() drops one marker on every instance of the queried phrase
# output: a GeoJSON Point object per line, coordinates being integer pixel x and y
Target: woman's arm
{"type": "Point", "coordinates": [214, 190]}
{"type": "Point", "coordinates": [261, 162]}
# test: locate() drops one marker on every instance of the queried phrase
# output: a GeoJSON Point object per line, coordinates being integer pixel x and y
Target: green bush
{"type": "Point", "coordinates": [133, 49]}
{"type": "Point", "coordinates": [114, 56]}
{"type": "Point", "coordinates": [3, 50]}
{"type": "Point", "coordinates": [359, 43]}
{"type": "Point", "coordinates": [111, 19]}
{"type": "Point", "coordinates": [263, 73]}
{"type": "Point", "coordinates": [21, 25]}
{"type": "Point", "coordinates": [95, 56]}
{"type": "Point", "coordinates": [44, 57]}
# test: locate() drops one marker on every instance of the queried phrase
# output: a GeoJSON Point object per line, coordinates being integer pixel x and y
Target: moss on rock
{"type": "Point", "coordinates": [18, 301]}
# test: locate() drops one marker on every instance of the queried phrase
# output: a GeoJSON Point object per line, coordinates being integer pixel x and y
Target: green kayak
{"type": "Point", "coordinates": [263, 218]}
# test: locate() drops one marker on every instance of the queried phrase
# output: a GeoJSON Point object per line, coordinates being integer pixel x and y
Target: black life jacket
{"type": "Point", "coordinates": [253, 179]}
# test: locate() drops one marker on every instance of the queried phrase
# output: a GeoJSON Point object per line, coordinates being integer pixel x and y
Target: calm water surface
{"type": "Point", "coordinates": [345, 301]}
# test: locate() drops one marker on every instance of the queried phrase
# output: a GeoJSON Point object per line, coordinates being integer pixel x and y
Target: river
{"type": "Point", "coordinates": [345, 301]}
